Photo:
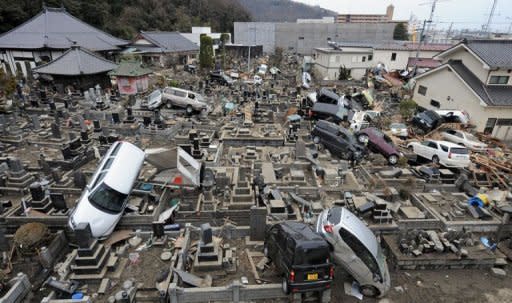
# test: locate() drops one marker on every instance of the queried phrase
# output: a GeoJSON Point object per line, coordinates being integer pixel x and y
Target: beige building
{"type": "Point", "coordinates": [476, 77]}
{"type": "Point", "coordinates": [358, 57]}
{"type": "Point", "coordinates": [367, 18]}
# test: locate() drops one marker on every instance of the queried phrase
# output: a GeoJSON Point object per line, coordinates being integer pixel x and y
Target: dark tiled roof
{"type": "Point", "coordinates": [76, 61]}
{"type": "Point", "coordinates": [493, 95]}
{"type": "Point", "coordinates": [496, 53]}
{"type": "Point", "coordinates": [55, 28]}
{"type": "Point", "coordinates": [170, 41]}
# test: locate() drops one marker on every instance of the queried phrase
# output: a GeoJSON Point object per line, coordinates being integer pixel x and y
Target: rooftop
{"type": "Point", "coordinates": [130, 69]}
{"type": "Point", "coordinates": [55, 28]}
{"type": "Point", "coordinates": [496, 53]}
{"type": "Point", "coordinates": [169, 41]}
{"type": "Point", "coordinates": [76, 61]}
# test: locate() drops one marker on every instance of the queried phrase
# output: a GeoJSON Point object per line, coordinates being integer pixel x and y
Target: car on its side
{"type": "Point", "coordinates": [379, 142]}
{"type": "Point", "coordinates": [355, 248]}
{"type": "Point", "coordinates": [173, 96]}
{"type": "Point", "coordinates": [464, 138]}
{"type": "Point", "coordinates": [338, 140]}
{"type": "Point", "coordinates": [441, 152]}
{"type": "Point", "coordinates": [300, 255]}
{"type": "Point", "coordinates": [104, 199]}
{"type": "Point", "coordinates": [427, 121]}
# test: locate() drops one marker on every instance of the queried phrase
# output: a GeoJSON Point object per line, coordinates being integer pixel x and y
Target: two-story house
{"type": "Point", "coordinates": [357, 57]}
{"type": "Point", "coordinates": [475, 76]}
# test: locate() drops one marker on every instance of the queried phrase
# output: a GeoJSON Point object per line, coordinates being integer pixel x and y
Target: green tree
{"type": "Point", "coordinates": [400, 32]}
{"type": "Point", "coordinates": [344, 73]}
{"type": "Point", "coordinates": [407, 108]}
{"type": "Point", "coordinates": [206, 59]}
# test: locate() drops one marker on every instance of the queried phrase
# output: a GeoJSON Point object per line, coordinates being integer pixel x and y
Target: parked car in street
{"type": "Point", "coordinates": [104, 199]}
{"type": "Point", "coordinates": [399, 130]}
{"type": "Point", "coordinates": [300, 255]}
{"type": "Point", "coordinates": [465, 139]}
{"type": "Point", "coordinates": [188, 100]}
{"type": "Point", "coordinates": [221, 78]}
{"type": "Point", "coordinates": [355, 248]}
{"type": "Point", "coordinates": [379, 142]}
{"type": "Point", "coordinates": [454, 116]}
{"type": "Point", "coordinates": [427, 121]}
{"type": "Point", "coordinates": [338, 141]}
{"type": "Point", "coordinates": [441, 152]}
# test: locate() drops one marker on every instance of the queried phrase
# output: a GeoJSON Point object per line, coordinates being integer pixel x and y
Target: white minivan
{"type": "Point", "coordinates": [105, 197]}
{"type": "Point", "coordinates": [441, 152]}
{"type": "Point", "coordinates": [173, 96]}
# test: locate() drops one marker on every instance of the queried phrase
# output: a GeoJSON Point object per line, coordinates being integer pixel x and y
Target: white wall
{"type": "Point", "coordinates": [472, 63]}
{"type": "Point", "coordinates": [328, 63]}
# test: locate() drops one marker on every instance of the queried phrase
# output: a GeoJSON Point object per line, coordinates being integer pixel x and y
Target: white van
{"type": "Point", "coordinates": [105, 197]}
{"type": "Point", "coordinates": [189, 100]}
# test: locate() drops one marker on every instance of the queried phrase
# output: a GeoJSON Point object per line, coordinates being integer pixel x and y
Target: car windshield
{"type": "Point", "coordinates": [107, 199]}
{"type": "Point", "coordinates": [360, 251]}
{"type": "Point", "coordinates": [311, 256]}
{"type": "Point", "coordinates": [459, 151]}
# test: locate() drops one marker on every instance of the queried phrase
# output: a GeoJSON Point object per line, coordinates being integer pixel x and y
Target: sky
{"type": "Point", "coordinates": [463, 13]}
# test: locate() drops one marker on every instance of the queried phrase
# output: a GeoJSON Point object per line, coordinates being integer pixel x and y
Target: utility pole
{"type": "Point", "coordinates": [419, 47]}
{"type": "Point", "coordinates": [449, 32]}
{"type": "Point", "coordinates": [487, 27]}
{"type": "Point", "coordinates": [433, 8]}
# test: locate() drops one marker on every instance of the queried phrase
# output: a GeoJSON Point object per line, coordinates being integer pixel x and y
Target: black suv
{"type": "Point", "coordinates": [221, 78]}
{"type": "Point", "coordinates": [338, 140]}
{"type": "Point", "coordinates": [300, 255]}
{"type": "Point", "coordinates": [427, 120]}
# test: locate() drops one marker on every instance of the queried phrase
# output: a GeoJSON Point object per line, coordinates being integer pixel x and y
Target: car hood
{"type": "Point", "coordinates": [100, 222]}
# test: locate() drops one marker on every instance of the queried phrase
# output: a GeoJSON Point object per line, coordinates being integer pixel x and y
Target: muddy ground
{"type": "Point", "coordinates": [447, 286]}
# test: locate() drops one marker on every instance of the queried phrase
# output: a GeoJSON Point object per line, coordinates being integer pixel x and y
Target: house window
{"type": "Point", "coordinates": [435, 103]}
{"type": "Point", "coordinates": [370, 57]}
{"type": "Point", "coordinates": [301, 38]}
{"type": "Point", "coordinates": [489, 126]}
{"type": "Point", "coordinates": [364, 58]}
{"type": "Point", "coordinates": [499, 80]}
{"type": "Point", "coordinates": [422, 90]}
{"type": "Point", "coordinates": [393, 56]}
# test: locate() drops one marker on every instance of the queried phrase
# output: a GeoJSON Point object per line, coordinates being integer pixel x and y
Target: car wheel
{"type": "Point", "coordinates": [284, 285]}
{"type": "Point", "coordinates": [410, 148]}
{"type": "Point", "coordinates": [316, 139]}
{"type": "Point", "coordinates": [369, 291]}
{"type": "Point", "coordinates": [435, 160]}
{"type": "Point", "coordinates": [362, 139]}
{"type": "Point", "coordinates": [168, 104]}
{"type": "Point", "coordinates": [393, 159]}
{"type": "Point", "coordinates": [189, 109]}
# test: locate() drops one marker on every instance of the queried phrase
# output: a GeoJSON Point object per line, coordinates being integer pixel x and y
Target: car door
{"type": "Point", "coordinates": [450, 135]}
{"type": "Point", "coordinates": [343, 143]}
{"type": "Point", "coordinates": [431, 149]}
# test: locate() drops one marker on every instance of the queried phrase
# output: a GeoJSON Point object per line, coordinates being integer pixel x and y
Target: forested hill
{"type": "Point", "coordinates": [124, 18]}
{"type": "Point", "coordinates": [283, 10]}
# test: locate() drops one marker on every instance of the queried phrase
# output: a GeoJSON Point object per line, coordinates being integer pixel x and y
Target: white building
{"type": "Point", "coordinates": [357, 57]}
{"type": "Point", "coordinates": [195, 36]}
{"type": "Point", "coordinates": [476, 77]}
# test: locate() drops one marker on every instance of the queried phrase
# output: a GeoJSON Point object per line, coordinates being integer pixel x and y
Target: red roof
{"type": "Point", "coordinates": [424, 62]}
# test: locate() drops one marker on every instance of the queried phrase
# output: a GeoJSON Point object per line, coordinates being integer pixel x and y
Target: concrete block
{"type": "Point", "coordinates": [498, 272]}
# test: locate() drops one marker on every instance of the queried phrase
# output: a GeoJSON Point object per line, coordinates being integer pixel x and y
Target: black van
{"type": "Point", "coordinates": [338, 140]}
{"type": "Point", "coordinates": [300, 255]}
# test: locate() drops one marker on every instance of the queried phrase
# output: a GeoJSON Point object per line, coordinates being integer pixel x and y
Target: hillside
{"type": "Point", "coordinates": [124, 18]}
{"type": "Point", "coordinates": [283, 10]}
